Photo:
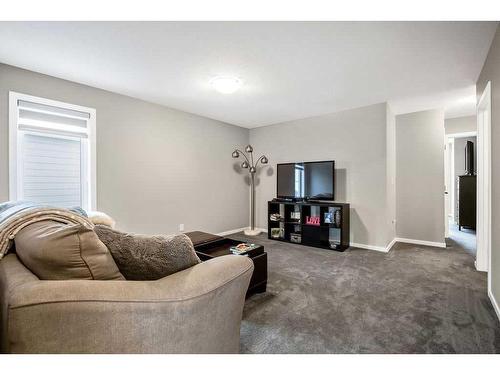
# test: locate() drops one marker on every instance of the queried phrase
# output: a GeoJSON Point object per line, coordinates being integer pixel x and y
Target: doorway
{"type": "Point", "coordinates": [461, 187]}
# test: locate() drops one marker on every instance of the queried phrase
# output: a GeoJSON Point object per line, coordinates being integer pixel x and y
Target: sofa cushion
{"type": "Point", "coordinates": [143, 257]}
{"type": "Point", "coordinates": [58, 251]}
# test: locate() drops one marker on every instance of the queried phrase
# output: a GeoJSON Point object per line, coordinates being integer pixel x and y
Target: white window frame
{"type": "Point", "coordinates": [89, 185]}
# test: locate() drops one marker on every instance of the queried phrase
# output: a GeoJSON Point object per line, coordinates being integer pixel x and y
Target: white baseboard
{"type": "Point", "coordinates": [391, 244]}
{"type": "Point", "coordinates": [494, 303]}
{"type": "Point", "coordinates": [233, 231]}
{"type": "Point", "coordinates": [376, 248]}
{"type": "Point", "coordinates": [420, 242]}
{"type": "Point", "coordinates": [358, 245]}
{"type": "Point", "coordinates": [368, 247]}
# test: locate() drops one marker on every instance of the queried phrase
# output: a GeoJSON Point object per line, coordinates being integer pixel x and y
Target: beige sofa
{"type": "Point", "coordinates": [197, 310]}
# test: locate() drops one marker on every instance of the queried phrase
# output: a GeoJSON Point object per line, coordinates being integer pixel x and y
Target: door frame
{"type": "Point", "coordinates": [451, 137]}
{"type": "Point", "coordinates": [450, 145]}
{"type": "Point", "coordinates": [448, 182]}
{"type": "Point", "coordinates": [483, 233]}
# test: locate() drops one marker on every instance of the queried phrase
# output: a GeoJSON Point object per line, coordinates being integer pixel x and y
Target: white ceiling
{"type": "Point", "coordinates": [290, 70]}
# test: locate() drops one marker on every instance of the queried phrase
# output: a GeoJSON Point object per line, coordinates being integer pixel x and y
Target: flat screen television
{"type": "Point", "coordinates": [469, 158]}
{"type": "Point", "coordinates": [313, 180]}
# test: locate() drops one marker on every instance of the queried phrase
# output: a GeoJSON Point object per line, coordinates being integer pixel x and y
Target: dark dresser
{"type": "Point", "coordinates": [466, 201]}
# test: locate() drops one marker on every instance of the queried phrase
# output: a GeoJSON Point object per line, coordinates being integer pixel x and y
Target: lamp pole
{"type": "Point", "coordinates": [252, 169]}
{"type": "Point", "coordinates": [252, 202]}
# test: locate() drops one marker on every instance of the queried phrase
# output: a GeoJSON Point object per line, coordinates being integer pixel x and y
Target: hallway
{"type": "Point", "coordinates": [466, 238]}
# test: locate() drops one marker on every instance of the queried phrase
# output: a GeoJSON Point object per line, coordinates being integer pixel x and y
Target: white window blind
{"type": "Point", "coordinates": [52, 152]}
{"type": "Point", "coordinates": [52, 170]}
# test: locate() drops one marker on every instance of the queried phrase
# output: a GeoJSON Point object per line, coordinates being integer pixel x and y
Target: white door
{"type": "Point", "coordinates": [448, 185]}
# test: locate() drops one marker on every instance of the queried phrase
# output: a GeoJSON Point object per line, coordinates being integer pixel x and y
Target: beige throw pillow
{"type": "Point", "coordinates": [57, 251]}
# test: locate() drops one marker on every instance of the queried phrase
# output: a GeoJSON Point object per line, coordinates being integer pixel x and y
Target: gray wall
{"type": "Point", "coordinates": [491, 72]}
{"type": "Point", "coordinates": [156, 167]}
{"type": "Point", "coordinates": [460, 125]}
{"type": "Point", "coordinates": [356, 140]}
{"type": "Point", "coordinates": [420, 176]}
{"type": "Point", "coordinates": [459, 162]}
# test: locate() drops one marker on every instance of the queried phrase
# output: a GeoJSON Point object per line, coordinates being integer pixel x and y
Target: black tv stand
{"type": "Point", "coordinates": [318, 224]}
{"type": "Point", "coordinates": [289, 200]}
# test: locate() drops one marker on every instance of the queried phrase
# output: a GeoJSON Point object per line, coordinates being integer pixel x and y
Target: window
{"type": "Point", "coordinates": [51, 152]}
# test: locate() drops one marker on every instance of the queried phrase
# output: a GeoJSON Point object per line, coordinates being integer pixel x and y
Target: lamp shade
{"type": "Point", "coordinates": [244, 165]}
{"type": "Point", "coordinates": [249, 148]}
{"type": "Point", "coordinates": [235, 154]}
{"type": "Point", "coordinates": [264, 160]}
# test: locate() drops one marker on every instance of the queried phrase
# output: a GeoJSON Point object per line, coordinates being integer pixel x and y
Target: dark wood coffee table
{"type": "Point", "coordinates": [209, 246]}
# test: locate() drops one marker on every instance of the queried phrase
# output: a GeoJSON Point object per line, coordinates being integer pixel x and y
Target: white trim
{"type": "Point", "coordinates": [453, 181]}
{"type": "Point", "coordinates": [369, 247]}
{"type": "Point", "coordinates": [494, 303]}
{"type": "Point", "coordinates": [421, 242]}
{"type": "Point", "coordinates": [13, 145]}
{"type": "Point", "coordinates": [232, 231]}
{"type": "Point", "coordinates": [50, 102]}
{"type": "Point", "coordinates": [89, 200]}
{"type": "Point", "coordinates": [92, 159]}
{"type": "Point", "coordinates": [373, 247]}
{"type": "Point", "coordinates": [483, 233]}
{"type": "Point", "coordinates": [391, 244]}
{"type": "Point", "coordinates": [447, 182]}
{"type": "Point", "coordinates": [60, 114]}
{"type": "Point", "coordinates": [462, 134]}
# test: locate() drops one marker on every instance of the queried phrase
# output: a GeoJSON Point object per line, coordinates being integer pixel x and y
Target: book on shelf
{"type": "Point", "coordinates": [242, 248]}
{"type": "Point", "coordinates": [275, 217]}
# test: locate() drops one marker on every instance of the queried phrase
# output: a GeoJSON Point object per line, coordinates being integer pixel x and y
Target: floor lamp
{"type": "Point", "coordinates": [252, 168]}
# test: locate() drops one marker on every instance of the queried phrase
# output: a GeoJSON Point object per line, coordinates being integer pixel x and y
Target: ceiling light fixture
{"type": "Point", "coordinates": [226, 85]}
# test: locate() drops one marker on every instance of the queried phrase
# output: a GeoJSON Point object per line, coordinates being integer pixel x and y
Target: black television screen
{"type": "Point", "coordinates": [469, 158]}
{"type": "Point", "coordinates": [307, 180]}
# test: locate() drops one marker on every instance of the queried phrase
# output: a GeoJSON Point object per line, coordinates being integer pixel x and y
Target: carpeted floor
{"type": "Point", "coordinates": [415, 299]}
{"type": "Point", "coordinates": [465, 238]}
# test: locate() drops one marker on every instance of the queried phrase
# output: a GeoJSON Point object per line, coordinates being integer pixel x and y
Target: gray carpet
{"type": "Point", "coordinates": [465, 238]}
{"type": "Point", "coordinates": [415, 299]}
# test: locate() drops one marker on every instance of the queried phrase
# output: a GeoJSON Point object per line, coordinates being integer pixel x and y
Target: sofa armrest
{"type": "Point", "coordinates": [12, 275]}
{"type": "Point", "coordinates": [197, 310]}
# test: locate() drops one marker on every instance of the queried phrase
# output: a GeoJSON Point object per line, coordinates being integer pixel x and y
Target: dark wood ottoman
{"type": "Point", "coordinates": [209, 246]}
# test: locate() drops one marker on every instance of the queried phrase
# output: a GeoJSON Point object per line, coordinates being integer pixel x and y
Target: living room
{"type": "Point", "coordinates": [194, 187]}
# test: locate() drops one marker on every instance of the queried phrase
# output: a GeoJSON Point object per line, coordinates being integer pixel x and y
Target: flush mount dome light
{"type": "Point", "coordinates": [226, 85]}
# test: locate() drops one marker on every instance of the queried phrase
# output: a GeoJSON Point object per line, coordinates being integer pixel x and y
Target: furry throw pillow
{"type": "Point", "coordinates": [144, 257]}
